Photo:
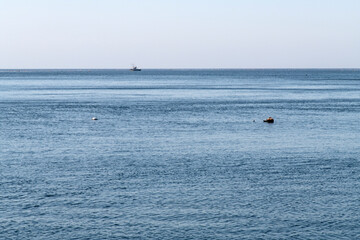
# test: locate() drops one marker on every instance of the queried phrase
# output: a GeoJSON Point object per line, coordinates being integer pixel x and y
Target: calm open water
{"type": "Point", "coordinates": [176, 154]}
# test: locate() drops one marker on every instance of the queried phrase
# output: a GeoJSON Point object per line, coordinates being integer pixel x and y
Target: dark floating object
{"type": "Point", "coordinates": [135, 69]}
{"type": "Point", "coordinates": [269, 120]}
{"type": "Point", "coordinates": [94, 118]}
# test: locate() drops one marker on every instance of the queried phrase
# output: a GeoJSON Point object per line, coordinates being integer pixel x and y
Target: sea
{"type": "Point", "coordinates": [180, 154]}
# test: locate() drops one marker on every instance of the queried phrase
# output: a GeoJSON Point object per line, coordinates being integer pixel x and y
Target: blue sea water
{"type": "Point", "coordinates": [179, 154]}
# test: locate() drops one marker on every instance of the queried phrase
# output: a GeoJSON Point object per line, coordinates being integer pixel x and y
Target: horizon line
{"type": "Point", "coordinates": [254, 68]}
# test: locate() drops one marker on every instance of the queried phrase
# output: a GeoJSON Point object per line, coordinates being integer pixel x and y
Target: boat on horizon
{"type": "Point", "coordinates": [135, 69]}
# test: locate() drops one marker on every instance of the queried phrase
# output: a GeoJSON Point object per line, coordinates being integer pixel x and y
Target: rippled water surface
{"type": "Point", "coordinates": [179, 154]}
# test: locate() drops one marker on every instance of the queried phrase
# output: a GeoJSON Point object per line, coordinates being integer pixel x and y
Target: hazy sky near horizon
{"type": "Point", "coordinates": [180, 34]}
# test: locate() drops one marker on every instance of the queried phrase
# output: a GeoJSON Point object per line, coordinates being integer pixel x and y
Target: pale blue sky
{"type": "Point", "coordinates": [180, 34]}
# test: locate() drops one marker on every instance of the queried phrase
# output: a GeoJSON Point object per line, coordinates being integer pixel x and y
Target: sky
{"type": "Point", "coordinates": [179, 33]}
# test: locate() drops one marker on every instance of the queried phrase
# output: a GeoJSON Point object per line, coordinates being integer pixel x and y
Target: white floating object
{"type": "Point", "coordinates": [94, 118]}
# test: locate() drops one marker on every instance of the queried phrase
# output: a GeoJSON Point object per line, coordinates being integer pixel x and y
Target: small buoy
{"type": "Point", "coordinates": [269, 120]}
{"type": "Point", "coordinates": [253, 120]}
{"type": "Point", "coordinates": [94, 118]}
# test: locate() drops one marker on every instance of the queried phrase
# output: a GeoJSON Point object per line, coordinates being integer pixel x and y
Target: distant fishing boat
{"type": "Point", "coordinates": [135, 69]}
